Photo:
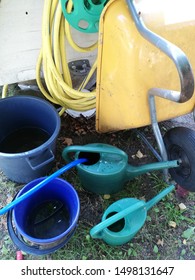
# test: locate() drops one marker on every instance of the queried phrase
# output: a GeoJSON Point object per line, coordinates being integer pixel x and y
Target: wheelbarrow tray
{"type": "Point", "coordinates": [129, 65]}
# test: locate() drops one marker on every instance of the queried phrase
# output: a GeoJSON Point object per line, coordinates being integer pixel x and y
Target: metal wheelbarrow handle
{"type": "Point", "coordinates": [184, 70]}
{"type": "Point", "coordinates": [174, 53]}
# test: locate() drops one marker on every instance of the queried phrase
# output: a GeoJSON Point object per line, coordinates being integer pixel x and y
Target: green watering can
{"type": "Point", "coordinates": [107, 168]}
{"type": "Point", "coordinates": [124, 218]}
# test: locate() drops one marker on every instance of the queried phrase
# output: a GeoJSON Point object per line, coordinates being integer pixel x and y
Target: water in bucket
{"type": "Point", "coordinates": [23, 139]}
{"type": "Point", "coordinates": [48, 219]}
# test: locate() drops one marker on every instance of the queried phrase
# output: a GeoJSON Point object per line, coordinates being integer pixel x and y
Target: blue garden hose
{"type": "Point", "coordinates": [41, 184]}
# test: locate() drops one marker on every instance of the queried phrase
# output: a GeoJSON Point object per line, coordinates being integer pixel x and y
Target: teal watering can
{"type": "Point", "coordinates": [124, 218]}
{"type": "Point", "coordinates": [106, 169]}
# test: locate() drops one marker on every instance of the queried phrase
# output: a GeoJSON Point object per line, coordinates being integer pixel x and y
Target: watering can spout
{"type": "Point", "coordinates": [134, 171]}
{"type": "Point", "coordinates": [158, 197]}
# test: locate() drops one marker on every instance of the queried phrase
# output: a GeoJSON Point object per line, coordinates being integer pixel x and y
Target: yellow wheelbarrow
{"type": "Point", "coordinates": [145, 74]}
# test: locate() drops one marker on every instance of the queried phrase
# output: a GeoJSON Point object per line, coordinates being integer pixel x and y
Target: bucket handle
{"type": "Point", "coordinates": [32, 161]}
{"type": "Point", "coordinates": [92, 149]}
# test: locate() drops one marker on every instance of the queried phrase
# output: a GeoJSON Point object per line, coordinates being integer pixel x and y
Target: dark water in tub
{"type": "Point", "coordinates": [24, 139]}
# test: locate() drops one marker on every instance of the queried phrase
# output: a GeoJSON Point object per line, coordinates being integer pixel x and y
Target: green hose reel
{"type": "Point", "coordinates": [83, 15]}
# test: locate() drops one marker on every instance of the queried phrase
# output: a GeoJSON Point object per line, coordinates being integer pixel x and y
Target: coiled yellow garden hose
{"type": "Point", "coordinates": [53, 62]}
{"type": "Point", "coordinates": [4, 91]}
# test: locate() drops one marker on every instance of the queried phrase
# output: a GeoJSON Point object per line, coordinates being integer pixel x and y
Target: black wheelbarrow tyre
{"type": "Point", "coordinates": [180, 144]}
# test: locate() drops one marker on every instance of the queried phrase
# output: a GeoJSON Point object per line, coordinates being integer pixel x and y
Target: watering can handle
{"type": "Point", "coordinates": [96, 231]}
{"type": "Point", "coordinates": [92, 149]}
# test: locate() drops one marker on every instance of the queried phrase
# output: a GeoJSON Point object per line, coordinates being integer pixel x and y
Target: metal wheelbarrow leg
{"type": "Point", "coordinates": [184, 70]}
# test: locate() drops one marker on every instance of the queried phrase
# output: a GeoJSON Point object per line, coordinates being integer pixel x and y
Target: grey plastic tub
{"type": "Point", "coordinates": [23, 119]}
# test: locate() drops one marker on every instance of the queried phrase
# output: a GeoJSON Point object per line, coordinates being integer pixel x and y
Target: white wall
{"type": "Point", "coordinates": [20, 40]}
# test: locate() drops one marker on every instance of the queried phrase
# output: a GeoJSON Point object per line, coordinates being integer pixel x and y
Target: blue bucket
{"type": "Point", "coordinates": [48, 218]}
{"type": "Point", "coordinates": [29, 127]}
